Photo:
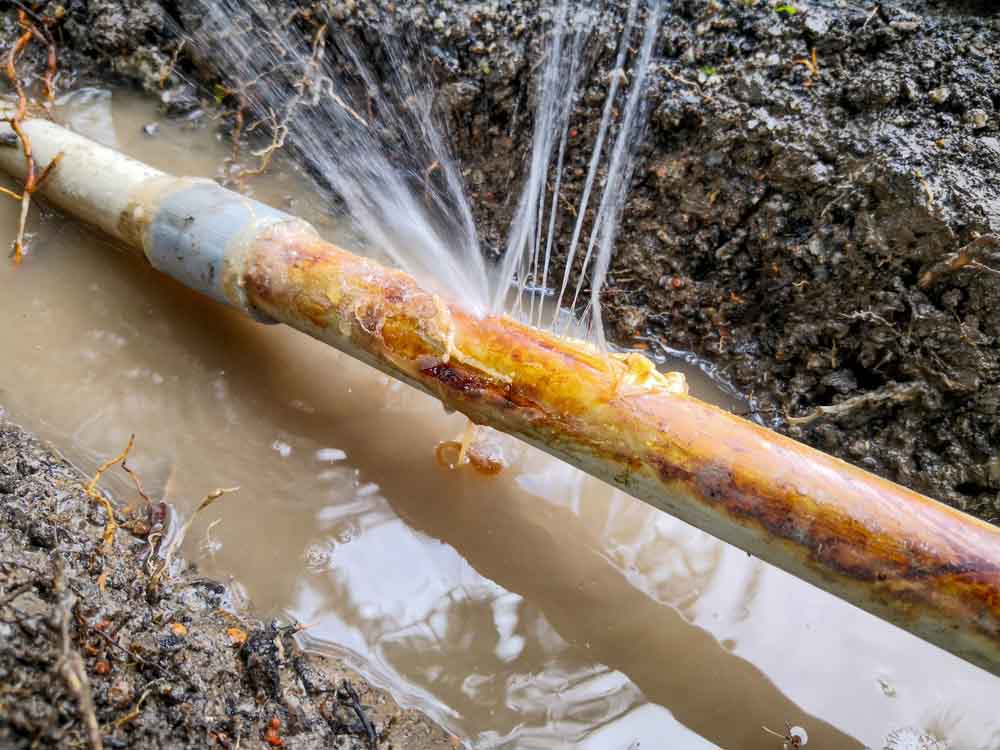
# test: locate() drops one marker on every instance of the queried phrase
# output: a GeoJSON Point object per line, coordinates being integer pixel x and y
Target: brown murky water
{"type": "Point", "coordinates": [538, 608]}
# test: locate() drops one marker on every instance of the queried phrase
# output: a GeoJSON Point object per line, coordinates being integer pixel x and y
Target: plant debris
{"type": "Point", "coordinates": [33, 28]}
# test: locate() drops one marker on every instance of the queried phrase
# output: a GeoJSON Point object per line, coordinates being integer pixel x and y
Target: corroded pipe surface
{"type": "Point", "coordinates": [926, 567]}
{"type": "Point", "coordinates": [904, 557]}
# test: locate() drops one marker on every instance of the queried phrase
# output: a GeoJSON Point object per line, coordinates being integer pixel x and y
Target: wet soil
{"type": "Point", "coordinates": [90, 641]}
{"type": "Point", "coordinates": [813, 212]}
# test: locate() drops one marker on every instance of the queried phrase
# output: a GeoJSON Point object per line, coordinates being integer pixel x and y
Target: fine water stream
{"type": "Point", "coordinates": [536, 608]}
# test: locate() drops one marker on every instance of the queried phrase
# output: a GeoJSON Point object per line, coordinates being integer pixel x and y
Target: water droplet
{"type": "Point", "coordinates": [330, 454]}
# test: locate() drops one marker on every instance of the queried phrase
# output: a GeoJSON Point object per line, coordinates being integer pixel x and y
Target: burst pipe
{"type": "Point", "coordinates": [924, 566]}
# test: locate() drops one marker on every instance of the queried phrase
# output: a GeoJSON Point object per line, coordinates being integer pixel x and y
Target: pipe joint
{"type": "Point", "coordinates": [203, 235]}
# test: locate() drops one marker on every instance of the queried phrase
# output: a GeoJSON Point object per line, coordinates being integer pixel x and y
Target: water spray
{"type": "Point", "coordinates": [922, 565]}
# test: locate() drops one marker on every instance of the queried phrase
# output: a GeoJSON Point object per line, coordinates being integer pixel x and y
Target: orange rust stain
{"type": "Point", "coordinates": [484, 463]}
{"type": "Point", "coordinates": [132, 224]}
{"type": "Point", "coordinates": [835, 519]}
{"type": "Point", "coordinates": [842, 520]}
{"type": "Point", "coordinates": [399, 337]}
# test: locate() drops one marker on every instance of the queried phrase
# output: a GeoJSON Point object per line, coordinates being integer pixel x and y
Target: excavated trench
{"type": "Point", "coordinates": [782, 228]}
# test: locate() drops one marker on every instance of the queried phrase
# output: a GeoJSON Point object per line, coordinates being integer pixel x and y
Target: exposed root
{"type": "Point", "coordinates": [94, 494]}
{"type": "Point", "coordinates": [811, 63]}
{"type": "Point", "coordinates": [428, 187]}
{"type": "Point", "coordinates": [693, 84]}
{"type": "Point", "coordinates": [135, 480]}
{"type": "Point", "coordinates": [278, 123]}
{"type": "Point", "coordinates": [972, 255]}
{"type": "Point", "coordinates": [928, 190]}
{"type": "Point", "coordinates": [168, 70]}
{"type": "Point", "coordinates": [33, 180]}
{"type": "Point", "coordinates": [863, 403]}
{"type": "Point", "coordinates": [279, 132]}
{"type": "Point", "coordinates": [133, 714]}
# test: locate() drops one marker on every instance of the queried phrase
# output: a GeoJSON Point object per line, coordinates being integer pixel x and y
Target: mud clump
{"type": "Point", "coordinates": [815, 210]}
{"type": "Point", "coordinates": [91, 653]}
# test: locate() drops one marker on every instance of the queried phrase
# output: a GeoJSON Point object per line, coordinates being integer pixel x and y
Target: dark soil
{"type": "Point", "coordinates": [88, 641]}
{"type": "Point", "coordinates": [825, 234]}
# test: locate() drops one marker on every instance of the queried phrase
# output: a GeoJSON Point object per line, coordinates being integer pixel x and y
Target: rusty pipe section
{"type": "Point", "coordinates": [915, 562]}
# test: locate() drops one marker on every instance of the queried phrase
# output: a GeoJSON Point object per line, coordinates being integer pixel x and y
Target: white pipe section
{"type": "Point", "coordinates": [191, 229]}
{"type": "Point", "coordinates": [91, 182]}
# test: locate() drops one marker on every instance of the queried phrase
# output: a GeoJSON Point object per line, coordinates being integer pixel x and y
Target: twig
{"type": "Point", "coordinates": [70, 665]}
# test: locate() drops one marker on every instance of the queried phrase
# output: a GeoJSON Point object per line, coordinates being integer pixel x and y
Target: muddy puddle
{"type": "Point", "coordinates": [537, 608]}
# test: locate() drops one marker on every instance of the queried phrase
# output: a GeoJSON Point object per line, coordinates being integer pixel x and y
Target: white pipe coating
{"type": "Point", "coordinates": [191, 229]}
{"type": "Point", "coordinates": [91, 182]}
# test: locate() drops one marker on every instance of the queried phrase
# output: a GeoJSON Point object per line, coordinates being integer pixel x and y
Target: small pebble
{"type": "Point", "coordinates": [977, 118]}
{"type": "Point", "coordinates": [939, 95]}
